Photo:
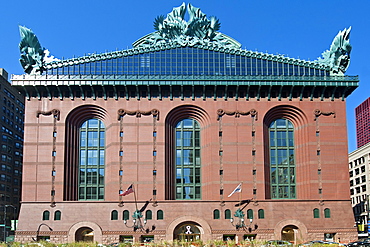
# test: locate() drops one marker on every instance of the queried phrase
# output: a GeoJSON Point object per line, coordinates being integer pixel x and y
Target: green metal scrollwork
{"type": "Point", "coordinates": [137, 215]}
{"type": "Point", "coordinates": [338, 57]}
{"type": "Point", "coordinates": [198, 30]}
{"type": "Point", "coordinates": [239, 213]}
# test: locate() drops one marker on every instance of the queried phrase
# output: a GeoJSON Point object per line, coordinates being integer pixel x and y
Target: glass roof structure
{"type": "Point", "coordinates": [191, 55]}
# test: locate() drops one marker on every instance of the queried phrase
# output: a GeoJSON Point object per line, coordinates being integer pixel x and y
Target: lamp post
{"type": "Point", "coordinates": [38, 231]}
{"type": "Point", "coordinates": [138, 224]}
{"type": "Point", "coordinates": [239, 223]}
{"type": "Point", "coordinates": [5, 207]}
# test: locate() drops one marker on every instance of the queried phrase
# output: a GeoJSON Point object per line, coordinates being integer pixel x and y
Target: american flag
{"type": "Point", "coordinates": [129, 190]}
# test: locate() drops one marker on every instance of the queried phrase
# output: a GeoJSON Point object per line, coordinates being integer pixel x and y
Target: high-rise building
{"type": "Point", "coordinates": [12, 117]}
{"type": "Point", "coordinates": [185, 136]}
{"type": "Point", "coordinates": [363, 123]}
{"type": "Point", "coordinates": [359, 164]}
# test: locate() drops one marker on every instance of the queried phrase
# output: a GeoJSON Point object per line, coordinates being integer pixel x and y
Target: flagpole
{"type": "Point", "coordinates": [241, 191]}
{"type": "Point", "coordinates": [137, 211]}
{"type": "Point", "coordinates": [135, 196]}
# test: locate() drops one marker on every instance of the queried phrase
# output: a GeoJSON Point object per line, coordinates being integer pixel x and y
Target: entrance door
{"type": "Point", "coordinates": [84, 234]}
{"type": "Point", "coordinates": [289, 233]}
{"type": "Point", "coordinates": [187, 232]}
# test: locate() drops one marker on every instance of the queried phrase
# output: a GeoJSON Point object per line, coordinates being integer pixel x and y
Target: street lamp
{"type": "Point", "coordinates": [38, 231]}
{"type": "Point", "coordinates": [138, 224]}
{"type": "Point", "coordinates": [239, 223]}
{"type": "Point", "coordinates": [5, 207]}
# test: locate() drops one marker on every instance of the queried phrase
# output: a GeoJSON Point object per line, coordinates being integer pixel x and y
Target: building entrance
{"type": "Point", "coordinates": [288, 233]}
{"type": "Point", "coordinates": [84, 234]}
{"type": "Point", "coordinates": [187, 232]}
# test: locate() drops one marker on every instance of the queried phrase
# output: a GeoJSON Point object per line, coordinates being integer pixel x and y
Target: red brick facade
{"type": "Point", "coordinates": [242, 153]}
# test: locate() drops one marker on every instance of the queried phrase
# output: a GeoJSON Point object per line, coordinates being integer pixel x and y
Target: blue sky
{"type": "Point", "coordinates": [295, 28]}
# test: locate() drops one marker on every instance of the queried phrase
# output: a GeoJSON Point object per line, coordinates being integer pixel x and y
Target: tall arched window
{"type": "Point", "coordinates": [282, 161]}
{"type": "Point", "coordinates": [187, 160]}
{"type": "Point", "coordinates": [92, 160]}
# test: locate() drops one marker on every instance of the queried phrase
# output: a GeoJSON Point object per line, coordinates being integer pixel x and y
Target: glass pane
{"type": "Point", "coordinates": [101, 176]}
{"type": "Point", "coordinates": [178, 157]}
{"type": "Point", "coordinates": [188, 157]}
{"type": "Point", "coordinates": [187, 175]}
{"type": "Point", "coordinates": [273, 175]}
{"type": "Point", "coordinates": [93, 123]}
{"type": "Point", "coordinates": [178, 138]}
{"type": "Point", "coordinates": [178, 176]}
{"type": "Point", "coordinates": [187, 138]}
{"type": "Point", "coordinates": [197, 139]}
{"type": "Point", "coordinates": [281, 123]}
{"type": "Point", "coordinates": [83, 157]}
{"type": "Point", "coordinates": [290, 139]}
{"type": "Point", "coordinates": [92, 138]}
{"type": "Point", "coordinates": [82, 176]}
{"type": "Point", "coordinates": [102, 160]}
{"type": "Point", "coordinates": [187, 123]}
{"type": "Point", "coordinates": [102, 139]}
{"type": "Point", "coordinates": [83, 139]}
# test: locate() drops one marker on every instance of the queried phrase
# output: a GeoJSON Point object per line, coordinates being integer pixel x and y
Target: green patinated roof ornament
{"type": "Point", "coordinates": [198, 30]}
{"type": "Point", "coordinates": [338, 57]}
{"type": "Point", "coordinates": [32, 54]}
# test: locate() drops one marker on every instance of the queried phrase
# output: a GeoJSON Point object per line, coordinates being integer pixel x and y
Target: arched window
{"type": "Point", "coordinates": [57, 215]}
{"type": "Point", "coordinates": [282, 161]}
{"type": "Point", "coordinates": [148, 215]}
{"type": "Point", "coordinates": [327, 213]}
{"type": "Point", "coordinates": [216, 214]}
{"type": "Point", "coordinates": [261, 214]}
{"type": "Point", "coordinates": [159, 215]}
{"type": "Point", "coordinates": [249, 214]}
{"type": "Point", "coordinates": [114, 215]}
{"type": "Point", "coordinates": [46, 215]}
{"type": "Point", "coordinates": [187, 160]}
{"type": "Point", "coordinates": [92, 160]}
{"type": "Point", "coordinates": [126, 215]}
{"type": "Point", "coordinates": [316, 213]}
{"type": "Point", "coordinates": [227, 214]}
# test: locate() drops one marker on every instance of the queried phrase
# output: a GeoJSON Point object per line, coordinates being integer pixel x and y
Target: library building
{"type": "Point", "coordinates": [185, 136]}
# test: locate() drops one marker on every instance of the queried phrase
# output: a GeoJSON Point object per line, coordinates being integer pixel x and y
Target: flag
{"type": "Point", "coordinates": [129, 190]}
{"type": "Point", "coordinates": [237, 189]}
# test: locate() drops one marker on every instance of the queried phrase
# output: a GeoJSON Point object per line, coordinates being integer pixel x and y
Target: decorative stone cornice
{"type": "Point", "coordinates": [54, 112]}
{"type": "Point", "coordinates": [138, 113]}
{"type": "Point", "coordinates": [318, 113]}
{"type": "Point", "coordinates": [237, 113]}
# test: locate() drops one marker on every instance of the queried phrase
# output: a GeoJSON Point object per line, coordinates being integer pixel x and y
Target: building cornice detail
{"type": "Point", "coordinates": [138, 113]}
{"type": "Point", "coordinates": [237, 113]}
{"type": "Point", "coordinates": [54, 112]}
